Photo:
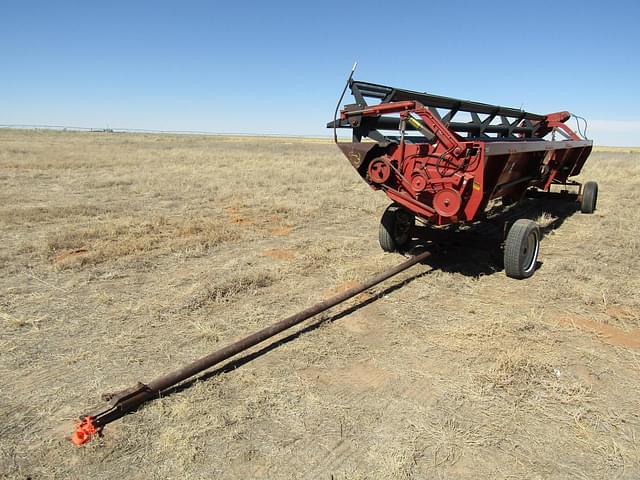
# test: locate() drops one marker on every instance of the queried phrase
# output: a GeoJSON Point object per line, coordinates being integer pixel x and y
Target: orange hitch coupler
{"type": "Point", "coordinates": [85, 430]}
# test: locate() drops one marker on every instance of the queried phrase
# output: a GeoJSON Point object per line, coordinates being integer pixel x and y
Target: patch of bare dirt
{"type": "Point", "coordinates": [281, 231]}
{"type": "Point", "coordinates": [358, 377]}
{"type": "Point", "coordinates": [280, 253]}
{"type": "Point", "coordinates": [236, 217]}
{"type": "Point", "coordinates": [604, 332]}
{"type": "Point", "coordinates": [68, 256]}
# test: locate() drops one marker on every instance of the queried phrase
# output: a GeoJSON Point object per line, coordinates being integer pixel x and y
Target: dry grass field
{"type": "Point", "coordinates": [124, 256]}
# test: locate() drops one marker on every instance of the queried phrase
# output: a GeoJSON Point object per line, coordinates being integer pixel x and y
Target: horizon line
{"type": "Point", "coordinates": [65, 128]}
{"type": "Point", "coordinates": [19, 126]}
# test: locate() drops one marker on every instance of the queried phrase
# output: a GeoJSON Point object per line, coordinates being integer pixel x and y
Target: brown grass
{"type": "Point", "coordinates": [128, 236]}
{"type": "Point", "coordinates": [125, 256]}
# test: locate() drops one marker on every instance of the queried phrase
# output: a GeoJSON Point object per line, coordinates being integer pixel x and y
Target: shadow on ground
{"type": "Point", "coordinates": [477, 249]}
{"type": "Point", "coordinates": [248, 357]}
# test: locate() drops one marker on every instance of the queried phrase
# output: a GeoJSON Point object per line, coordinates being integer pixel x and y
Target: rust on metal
{"type": "Point", "coordinates": [471, 151]}
{"type": "Point", "coordinates": [130, 399]}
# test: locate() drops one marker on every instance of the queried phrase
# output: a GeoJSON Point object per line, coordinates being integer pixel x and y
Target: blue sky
{"type": "Point", "coordinates": [278, 67]}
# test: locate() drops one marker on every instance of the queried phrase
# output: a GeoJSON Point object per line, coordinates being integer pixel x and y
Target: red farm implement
{"type": "Point", "coordinates": [446, 161]}
{"type": "Point", "coordinates": [437, 167]}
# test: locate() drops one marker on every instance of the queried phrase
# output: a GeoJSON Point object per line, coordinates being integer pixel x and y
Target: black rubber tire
{"type": "Point", "coordinates": [395, 228]}
{"type": "Point", "coordinates": [589, 197]}
{"type": "Point", "coordinates": [521, 249]}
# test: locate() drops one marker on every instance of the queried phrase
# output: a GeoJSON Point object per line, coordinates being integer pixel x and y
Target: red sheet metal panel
{"type": "Point", "coordinates": [449, 171]}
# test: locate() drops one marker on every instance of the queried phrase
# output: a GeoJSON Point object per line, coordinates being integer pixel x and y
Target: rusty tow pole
{"type": "Point", "coordinates": [128, 400]}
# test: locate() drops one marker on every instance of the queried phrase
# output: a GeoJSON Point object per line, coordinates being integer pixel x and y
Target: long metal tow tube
{"type": "Point", "coordinates": [128, 400]}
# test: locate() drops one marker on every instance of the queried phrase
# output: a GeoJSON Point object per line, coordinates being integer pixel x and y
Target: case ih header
{"type": "Point", "coordinates": [435, 167]}
{"type": "Point", "coordinates": [445, 160]}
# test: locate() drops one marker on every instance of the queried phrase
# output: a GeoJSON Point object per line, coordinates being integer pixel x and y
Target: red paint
{"type": "Point", "coordinates": [451, 179]}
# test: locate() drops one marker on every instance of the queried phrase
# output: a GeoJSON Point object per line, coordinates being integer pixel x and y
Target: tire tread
{"type": "Point", "coordinates": [589, 197]}
{"type": "Point", "coordinates": [518, 233]}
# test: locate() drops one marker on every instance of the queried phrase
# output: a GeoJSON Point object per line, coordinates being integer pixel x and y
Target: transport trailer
{"type": "Point", "coordinates": [445, 161]}
{"type": "Point", "coordinates": [434, 169]}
